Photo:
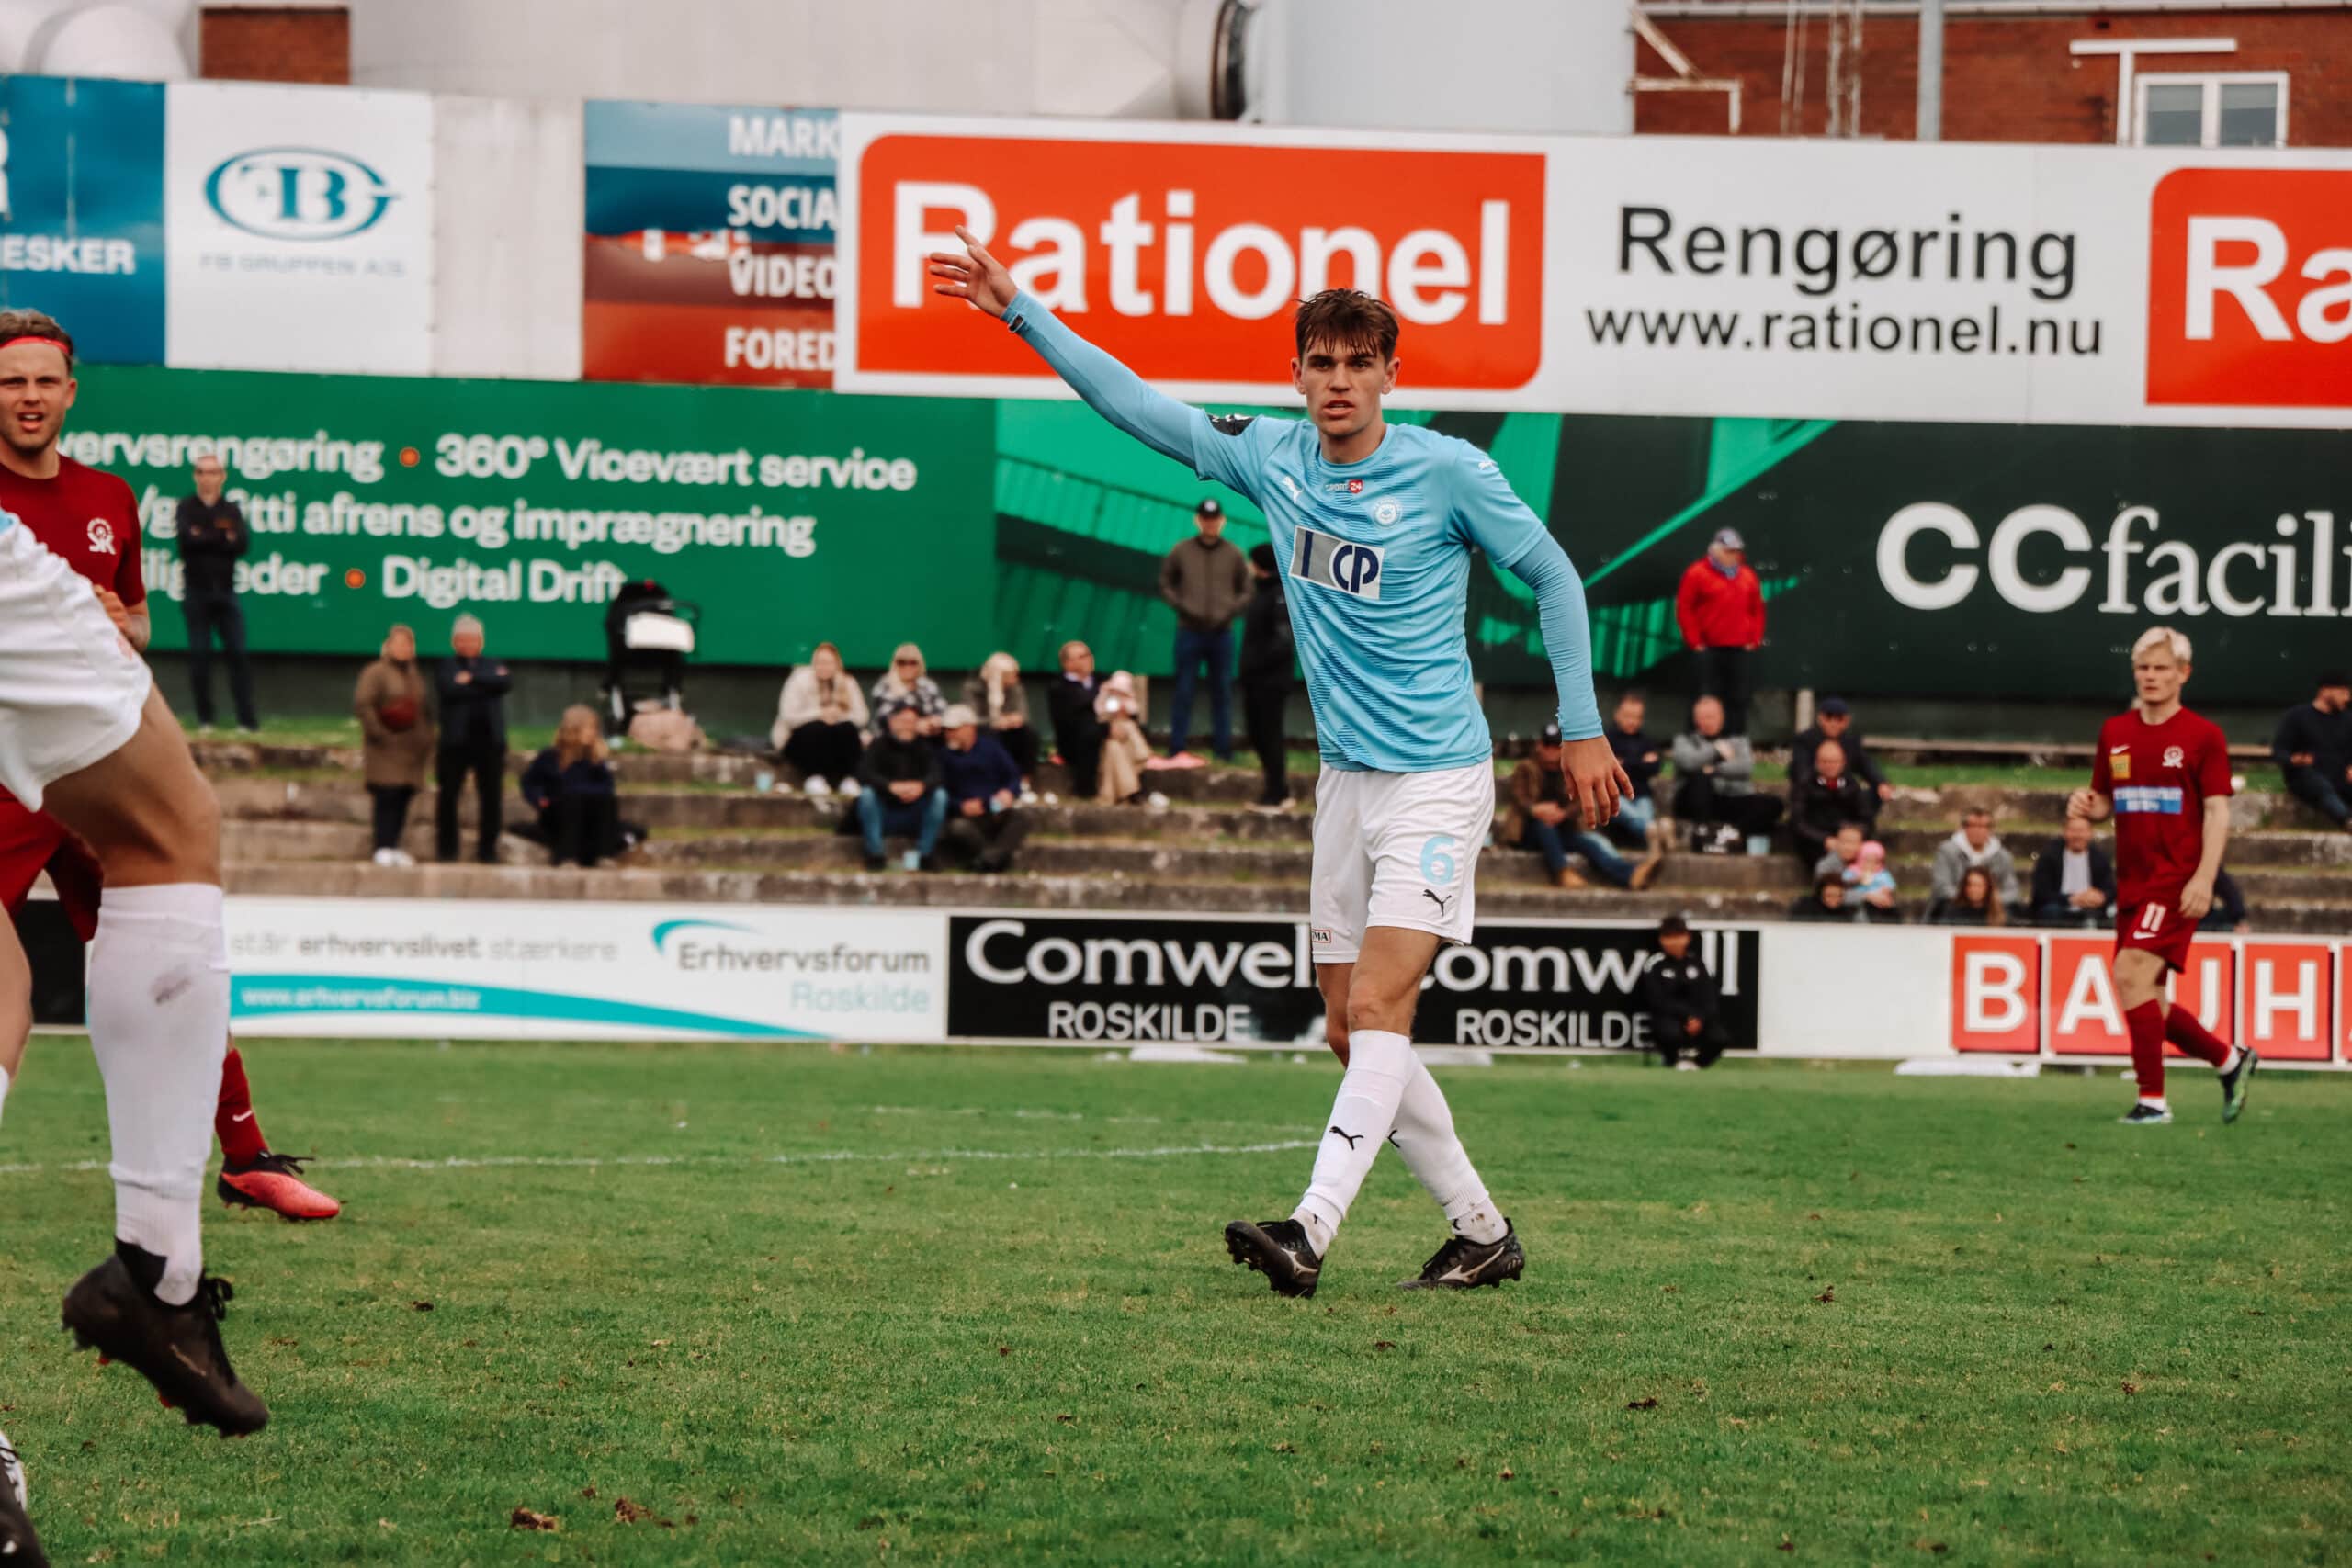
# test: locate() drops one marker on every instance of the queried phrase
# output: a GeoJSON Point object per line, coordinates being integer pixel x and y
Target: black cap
{"type": "Point", "coordinates": [1674, 925]}
{"type": "Point", "coordinates": [1551, 736]}
{"type": "Point", "coordinates": [1263, 557]}
{"type": "Point", "coordinates": [1209, 508]}
{"type": "Point", "coordinates": [2333, 677]}
{"type": "Point", "coordinates": [1833, 707]}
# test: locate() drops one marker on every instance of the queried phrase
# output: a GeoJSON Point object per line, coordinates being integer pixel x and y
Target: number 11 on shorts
{"type": "Point", "coordinates": [2152, 919]}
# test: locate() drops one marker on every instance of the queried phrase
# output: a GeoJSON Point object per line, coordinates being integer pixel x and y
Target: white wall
{"type": "Point", "coordinates": [1062, 57]}
{"type": "Point", "coordinates": [508, 246]}
{"type": "Point", "coordinates": [1503, 65]}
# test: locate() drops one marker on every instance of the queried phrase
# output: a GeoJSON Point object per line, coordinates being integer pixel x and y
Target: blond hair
{"type": "Point", "coordinates": [580, 736]}
{"type": "Point", "coordinates": [2161, 637]}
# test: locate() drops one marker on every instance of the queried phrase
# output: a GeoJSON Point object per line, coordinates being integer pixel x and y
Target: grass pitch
{"type": "Point", "coordinates": [806, 1306]}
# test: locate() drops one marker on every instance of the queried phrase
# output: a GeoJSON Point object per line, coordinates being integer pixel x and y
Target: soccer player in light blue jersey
{"type": "Point", "coordinates": [1374, 524]}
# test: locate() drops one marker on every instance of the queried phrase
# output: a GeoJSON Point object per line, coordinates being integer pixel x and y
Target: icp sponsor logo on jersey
{"type": "Point", "coordinates": [1334, 562]}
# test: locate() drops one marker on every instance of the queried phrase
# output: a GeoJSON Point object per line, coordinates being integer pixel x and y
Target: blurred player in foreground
{"type": "Point", "coordinates": [89, 520]}
{"type": "Point", "coordinates": [84, 735]}
{"type": "Point", "coordinates": [2163, 773]}
{"type": "Point", "coordinates": [1374, 524]}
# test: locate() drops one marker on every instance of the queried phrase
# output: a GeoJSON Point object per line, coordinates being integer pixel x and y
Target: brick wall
{"type": "Point", "coordinates": [290, 43]}
{"type": "Point", "coordinates": [2006, 78]}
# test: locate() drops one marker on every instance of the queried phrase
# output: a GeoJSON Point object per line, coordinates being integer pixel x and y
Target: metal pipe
{"type": "Point", "coordinates": [1932, 71]}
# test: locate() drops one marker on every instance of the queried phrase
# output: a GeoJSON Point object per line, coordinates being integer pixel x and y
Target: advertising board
{"type": "Point", "coordinates": [299, 227]}
{"type": "Point", "coordinates": [1757, 278]}
{"type": "Point", "coordinates": [709, 244]}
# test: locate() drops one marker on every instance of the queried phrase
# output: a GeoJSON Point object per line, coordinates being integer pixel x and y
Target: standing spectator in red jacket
{"type": "Point", "coordinates": [1721, 608]}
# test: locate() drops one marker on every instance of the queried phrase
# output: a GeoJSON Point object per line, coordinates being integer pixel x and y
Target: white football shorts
{"type": "Point", "coordinates": [1396, 850]}
{"type": "Point", "coordinates": [71, 687]}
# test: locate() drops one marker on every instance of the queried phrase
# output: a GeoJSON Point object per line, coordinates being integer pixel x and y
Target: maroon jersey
{"type": "Point", "coordinates": [2160, 776]}
{"type": "Point", "coordinates": [88, 518]}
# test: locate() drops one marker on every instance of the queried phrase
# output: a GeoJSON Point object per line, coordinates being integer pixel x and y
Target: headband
{"type": "Point", "coordinates": [37, 338]}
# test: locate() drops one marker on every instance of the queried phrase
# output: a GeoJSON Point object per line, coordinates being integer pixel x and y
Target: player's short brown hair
{"type": "Point", "coordinates": [36, 324]}
{"type": "Point", "coordinates": [1343, 319]}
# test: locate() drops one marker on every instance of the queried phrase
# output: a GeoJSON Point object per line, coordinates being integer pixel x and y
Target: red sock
{"type": "Point", "coordinates": [233, 1122]}
{"type": "Point", "coordinates": [2183, 1029]}
{"type": "Point", "coordinates": [2147, 1023]}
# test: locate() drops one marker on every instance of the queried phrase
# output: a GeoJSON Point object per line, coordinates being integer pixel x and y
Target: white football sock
{"type": "Point", "coordinates": [159, 1027]}
{"type": "Point", "coordinates": [1425, 1138]}
{"type": "Point", "coordinates": [1379, 1064]}
{"type": "Point", "coordinates": [4, 1087]}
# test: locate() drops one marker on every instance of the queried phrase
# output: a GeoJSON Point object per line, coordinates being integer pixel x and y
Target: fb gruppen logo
{"type": "Point", "coordinates": [297, 193]}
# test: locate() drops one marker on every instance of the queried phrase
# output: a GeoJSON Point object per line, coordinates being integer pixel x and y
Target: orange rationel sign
{"type": "Point", "coordinates": [1185, 258]}
{"type": "Point", "coordinates": [2250, 289]}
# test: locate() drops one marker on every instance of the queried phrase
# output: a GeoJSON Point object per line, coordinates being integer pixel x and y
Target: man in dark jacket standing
{"type": "Point", "coordinates": [2313, 749]}
{"type": "Point", "coordinates": [1267, 659]}
{"type": "Point", "coordinates": [212, 535]}
{"type": "Point", "coordinates": [473, 740]}
{"type": "Point", "coordinates": [1205, 580]}
{"type": "Point", "coordinates": [1721, 609]}
{"type": "Point", "coordinates": [903, 792]}
{"type": "Point", "coordinates": [1680, 996]}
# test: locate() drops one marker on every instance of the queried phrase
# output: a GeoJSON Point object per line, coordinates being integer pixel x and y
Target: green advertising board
{"type": "Point", "coordinates": [1964, 561]}
{"type": "Point", "coordinates": [789, 517]}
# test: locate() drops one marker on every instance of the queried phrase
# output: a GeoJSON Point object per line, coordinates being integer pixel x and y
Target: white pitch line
{"type": "Point", "coordinates": [824, 1157]}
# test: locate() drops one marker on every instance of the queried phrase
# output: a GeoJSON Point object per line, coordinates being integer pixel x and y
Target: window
{"type": "Point", "coordinates": [2237, 109]}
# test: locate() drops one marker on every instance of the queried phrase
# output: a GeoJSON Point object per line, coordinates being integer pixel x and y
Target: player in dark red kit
{"type": "Point", "coordinates": [2163, 773]}
{"type": "Point", "coordinates": [89, 519]}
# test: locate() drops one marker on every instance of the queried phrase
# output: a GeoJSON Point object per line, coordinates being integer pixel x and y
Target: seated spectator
{"type": "Point", "coordinates": [1833, 720]}
{"type": "Point", "coordinates": [2074, 880]}
{"type": "Point", "coordinates": [1077, 733]}
{"type": "Point", "coordinates": [1635, 825]}
{"type": "Point", "coordinates": [2313, 746]}
{"type": "Point", "coordinates": [984, 816]}
{"type": "Point", "coordinates": [1680, 996]}
{"type": "Point", "coordinates": [821, 720]}
{"type": "Point", "coordinates": [1124, 750]}
{"type": "Point", "coordinates": [902, 776]}
{"type": "Point", "coordinates": [1975, 904]}
{"type": "Point", "coordinates": [1871, 881]}
{"type": "Point", "coordinates": [1829, 799]}
{"type": "Point", "coordinates": [1714, 789]}
{"type": "Point", "coordinates": [995, 697]}
{"type": "Point", "coordinates": [905, 681]}
{"type": "Point", "coordinates": [1845, 850]}
{"type": "Point", "coordinates": [1544, 818]}
{"type": "Point", "coordinates": [396, 740]}
{"type": "Point", "coordinates": [2228, 913]}
{"type": "Point", "coordinates": [1973, 844]}
{"type": "Point", "coordinates": [571, 786]}
{"type": "Point", "coordinates": [1825, 902]}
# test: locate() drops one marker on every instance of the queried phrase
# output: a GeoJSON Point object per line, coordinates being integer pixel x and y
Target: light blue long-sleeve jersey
{"type": "Point", "coordinates": [1378, 554]}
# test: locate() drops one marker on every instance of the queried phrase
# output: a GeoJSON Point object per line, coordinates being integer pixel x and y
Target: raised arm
{"type": "Point", "coordinates": [1118, 394]}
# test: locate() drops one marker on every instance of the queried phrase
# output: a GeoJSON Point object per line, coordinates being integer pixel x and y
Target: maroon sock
{"type": "Point", "coordinates": [2147, 1023]}
{"type": "Point", "coordinates": [233, 1122]}
{"type": "Point", "coordinates": [2183, 1029]}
